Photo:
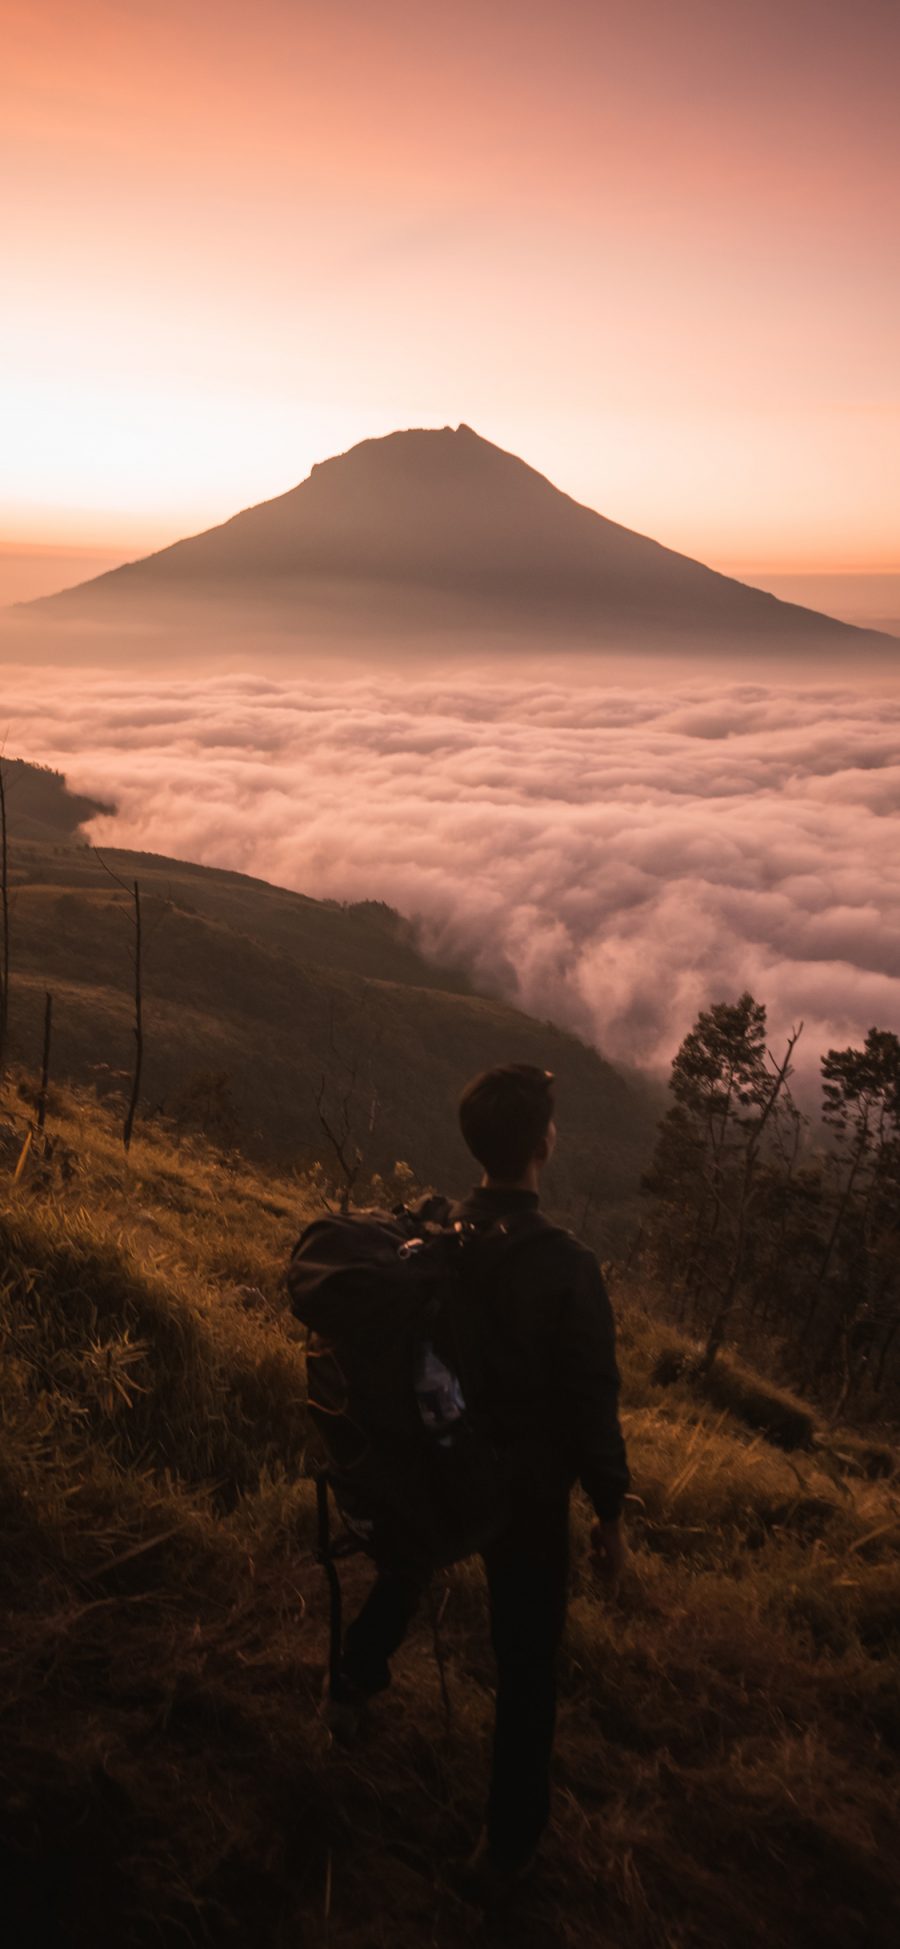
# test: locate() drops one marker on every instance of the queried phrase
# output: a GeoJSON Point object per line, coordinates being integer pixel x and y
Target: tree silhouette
{"type": "Point", "coordinates": [716, 1149]}
{"type": "Point", "coordinates": [859, 1263]}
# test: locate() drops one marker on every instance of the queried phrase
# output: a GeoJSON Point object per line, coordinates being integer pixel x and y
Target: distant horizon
{"type": "Point", "coordinates": [32, 566]}
{"type": "Point", "coordinates": [29, 570]}
{"type": "Point", "coordinates": [120, 535]}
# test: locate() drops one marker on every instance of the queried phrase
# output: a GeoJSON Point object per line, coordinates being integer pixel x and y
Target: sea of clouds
{"type": "Point", "coordinates": [610, 856]}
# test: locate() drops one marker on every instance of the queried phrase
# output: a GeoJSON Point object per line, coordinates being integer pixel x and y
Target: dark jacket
{"type": "Point", "coordinates": [554, 1388]}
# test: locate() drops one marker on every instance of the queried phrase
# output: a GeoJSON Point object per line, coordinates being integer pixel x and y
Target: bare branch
{"type": "Point", "coordinates": [108, 869]}
{"type": "Point", "coordinates": [45, 1061]}
{"type": "Point", "coordinates": [138, 1022]}
{"type": "Point", "coordinates": [339, 1141]}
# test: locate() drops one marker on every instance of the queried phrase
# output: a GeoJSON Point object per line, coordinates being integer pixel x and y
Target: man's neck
{"type": "Point", "coordinates": [530, 1181]}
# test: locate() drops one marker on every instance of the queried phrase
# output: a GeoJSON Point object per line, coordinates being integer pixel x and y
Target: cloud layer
{"type": "Point", "coordinates": [609, 857]}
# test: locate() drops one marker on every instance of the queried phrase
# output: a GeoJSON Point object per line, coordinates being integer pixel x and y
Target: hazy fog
{"type": "Point", "coordinates": [609, 853]}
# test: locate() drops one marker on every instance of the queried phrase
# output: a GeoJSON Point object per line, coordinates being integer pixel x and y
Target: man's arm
{"type": "Point", "coordinates": [587, 1389]}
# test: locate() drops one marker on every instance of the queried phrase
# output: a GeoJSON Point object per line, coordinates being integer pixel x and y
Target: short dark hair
{"type": "Point", "coordinates": [504, 1116]}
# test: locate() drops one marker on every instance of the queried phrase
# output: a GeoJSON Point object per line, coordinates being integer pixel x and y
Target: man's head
{"type": "Point", "coordinates": [506, 1118]}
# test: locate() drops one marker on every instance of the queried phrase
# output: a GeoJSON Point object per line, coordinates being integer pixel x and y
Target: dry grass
{"type": "Point", "coordinates": [729, 1721]}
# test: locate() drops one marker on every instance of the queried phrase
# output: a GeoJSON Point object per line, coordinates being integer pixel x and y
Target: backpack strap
{"type": "Point", "coordinates": [328, 1551]}
{"type": "Point", "coordinates": [324, 1556]}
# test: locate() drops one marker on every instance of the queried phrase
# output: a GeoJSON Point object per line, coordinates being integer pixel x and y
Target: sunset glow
{"type": "Point", "coordinates": [651, 249]}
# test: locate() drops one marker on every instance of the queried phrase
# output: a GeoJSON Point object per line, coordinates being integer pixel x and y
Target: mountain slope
{"type": "Point", "coordinates": [257, 999]}
{"type": "Point", "coordinates": [39, 804]}
{"type": "Point", "coordinates": [440, 526]}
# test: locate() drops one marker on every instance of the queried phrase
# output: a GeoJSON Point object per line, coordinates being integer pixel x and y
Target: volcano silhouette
{"type": "Point", "coordinates": [440, 526]}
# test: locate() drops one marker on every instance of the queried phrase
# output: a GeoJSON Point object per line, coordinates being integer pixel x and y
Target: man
{"type": "Point", "coordinates": [553, 1408]}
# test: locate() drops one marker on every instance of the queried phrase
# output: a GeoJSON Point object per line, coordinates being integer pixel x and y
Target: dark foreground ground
{"type": "Point", "coordinates": [729, 1722]}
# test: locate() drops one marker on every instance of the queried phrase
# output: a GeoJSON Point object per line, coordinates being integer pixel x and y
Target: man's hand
{"type": "Point", "coordinates": [608, 1543]}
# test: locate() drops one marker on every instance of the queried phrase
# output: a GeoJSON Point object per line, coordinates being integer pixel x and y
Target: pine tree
{"type": "Point", "coordinates": [719, 1148]}
{"type": "Point", "coordinates": [860, 1265]}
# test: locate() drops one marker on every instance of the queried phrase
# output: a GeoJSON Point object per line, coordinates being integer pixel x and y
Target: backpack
{"type": "Point", "coordinates": [401, 1347]}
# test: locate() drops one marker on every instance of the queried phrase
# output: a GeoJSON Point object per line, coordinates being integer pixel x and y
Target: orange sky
{"type": "Point", "coordinates": [650, 247]}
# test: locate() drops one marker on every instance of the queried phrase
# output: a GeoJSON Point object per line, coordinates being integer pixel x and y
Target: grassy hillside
{"type": "Point", "coordinates": [729, 1723]}
{"type": "Point", "coordinates": [255, 996]}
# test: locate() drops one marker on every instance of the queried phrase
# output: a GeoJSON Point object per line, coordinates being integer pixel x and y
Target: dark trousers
{"type": "Point", "coordinates": [527, 1570]}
